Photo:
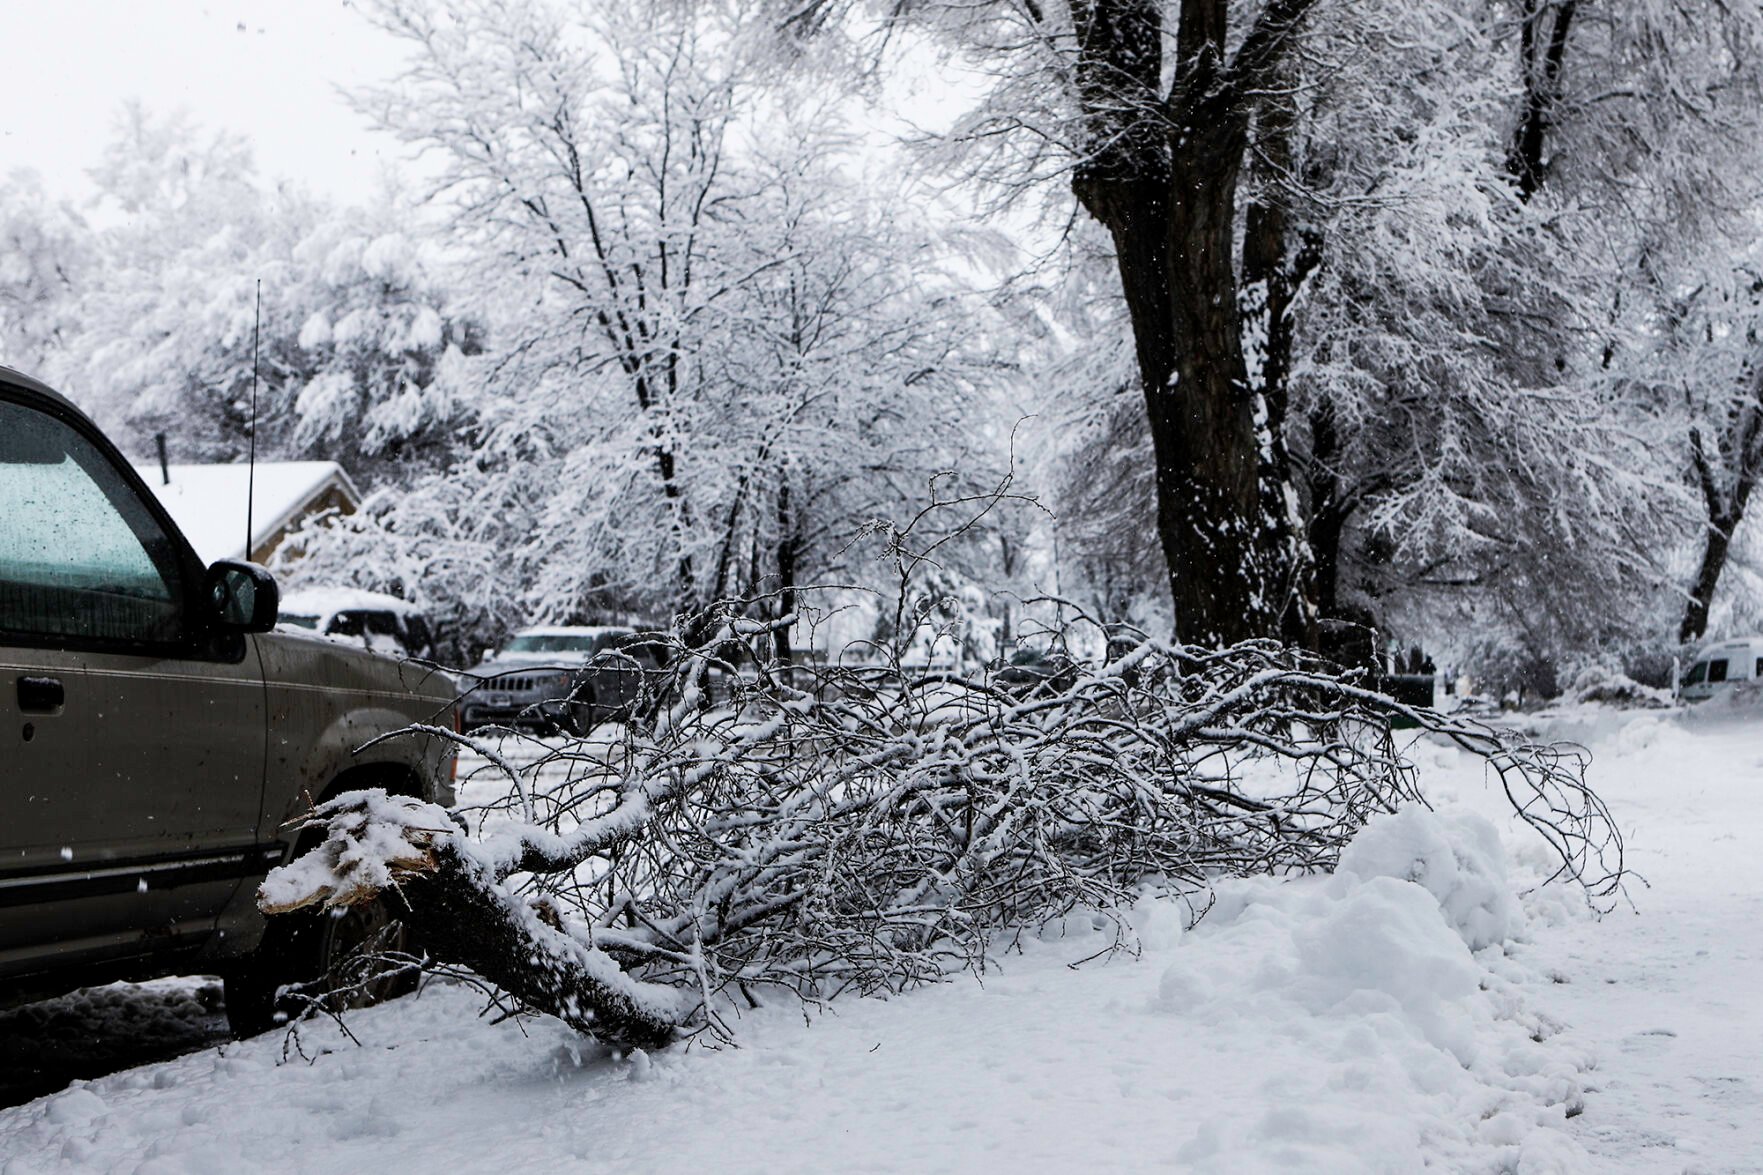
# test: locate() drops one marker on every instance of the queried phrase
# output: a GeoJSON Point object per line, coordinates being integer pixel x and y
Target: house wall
{"type": "Point", "coordinates": [332, 500]}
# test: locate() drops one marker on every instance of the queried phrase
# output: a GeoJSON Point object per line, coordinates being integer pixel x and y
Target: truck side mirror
{"type": "Point", "coordinates": [242, 597]}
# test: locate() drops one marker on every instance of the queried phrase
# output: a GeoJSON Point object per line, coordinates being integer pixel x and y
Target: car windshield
{"type": "Point", "coordinates": [297, 621]}
{"type": "Point", "coordinates": [560, 642]}
{"type": "Point", "coordinates": [362, 623]}
{"type": "Point", "coordinates": [1697, 672]}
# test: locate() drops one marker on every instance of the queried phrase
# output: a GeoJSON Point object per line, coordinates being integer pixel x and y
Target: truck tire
{"type": "Point", "coordinates": [320, 953]}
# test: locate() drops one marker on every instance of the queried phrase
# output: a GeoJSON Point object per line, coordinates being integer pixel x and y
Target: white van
{"type": "Point", "coordinates": [1722, 666]}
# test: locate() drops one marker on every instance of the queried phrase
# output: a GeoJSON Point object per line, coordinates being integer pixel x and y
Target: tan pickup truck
{"type": "Point", "coordinates": [156, 736]}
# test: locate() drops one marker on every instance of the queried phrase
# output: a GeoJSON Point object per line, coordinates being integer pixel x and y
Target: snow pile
{"type": "Point", "coordinates": [1454, 856]}
{"type": "Point", "coordinates": [1601, 685]}
{"type": "Point", "coordinates": [1418, 1052]}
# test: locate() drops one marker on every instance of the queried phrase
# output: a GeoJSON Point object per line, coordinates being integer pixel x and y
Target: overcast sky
{"type": "Point", "coordinates": [268, 69]}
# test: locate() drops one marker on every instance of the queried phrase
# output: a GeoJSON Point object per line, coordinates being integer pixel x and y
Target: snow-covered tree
{"type": "Point", "coordinates": [719, 352]}
{"type": "Point", "coordinates": [386, 348]}
{"type": "Point", "coordinates": [1448, 204]}
{"type": "Point", "coordinates": [1458, 437]}
{"type": "Point", "coordinates": [358, 335]}
{"type": "Point", "coordinates": [45, 254]}
{"type": "Point", "coordinates": [1150, 112]}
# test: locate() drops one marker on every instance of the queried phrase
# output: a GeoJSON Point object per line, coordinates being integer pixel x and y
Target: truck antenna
{"type": "Point", "coordinates": [251, 466]}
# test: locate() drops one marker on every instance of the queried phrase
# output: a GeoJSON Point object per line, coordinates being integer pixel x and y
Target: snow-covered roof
{"type": "Point", "coordinates": [328, 601]}
{"type": "Point", "coordinates": [1737, 642]}
{"type": "Point", "coordinates": [208, 501]}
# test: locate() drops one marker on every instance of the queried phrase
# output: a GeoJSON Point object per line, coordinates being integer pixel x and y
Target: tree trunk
{"type": "Point", "coordinates": [1202, 414]}
{"type": "Point", "coordinates": [1740, 457]}
{"type": "Point", "coordinates": [1162, 177]}
{"type": "Point", "coordinates": [1277, 257]}
{"type": "Point", "coordinates": [789, 557]}
{"type": "Point", "coordinates": [1541, 60]}
{"type": "Point", "coordinates": [1330, 508]}
{"type": "Point", "coordinates": [1695, 615]}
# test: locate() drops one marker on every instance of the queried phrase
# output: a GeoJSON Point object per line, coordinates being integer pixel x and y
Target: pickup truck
{"type": "Point", "coordinates": [158, 742]}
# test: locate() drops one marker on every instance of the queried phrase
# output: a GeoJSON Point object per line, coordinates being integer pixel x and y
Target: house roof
{"type": "Point", "coordinates": [208, 501]}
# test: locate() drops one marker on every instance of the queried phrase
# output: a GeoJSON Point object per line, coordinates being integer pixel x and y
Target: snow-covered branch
{"type": "Point", "coordinates": [821, 829]}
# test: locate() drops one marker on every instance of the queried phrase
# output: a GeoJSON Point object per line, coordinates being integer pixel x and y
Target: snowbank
{"type": "Point", "coordinates": [1454, 856]}
{"type": "Point", "coordinates": [1607, 686]}
{"type": "Point", "coordinates": [1416, 1053]}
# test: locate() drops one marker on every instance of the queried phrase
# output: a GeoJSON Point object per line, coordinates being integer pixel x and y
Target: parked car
{"type": "Point", "coordinates": [1723, 666]}
{"type": "Point", "coordinates": [559, 678]}
{"type": "Point", "coordinates": [157, 737]}
{"type": "Point", "coordinates": [382, 623]}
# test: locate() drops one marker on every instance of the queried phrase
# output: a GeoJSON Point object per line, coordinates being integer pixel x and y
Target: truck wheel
{"type": "Point", "coordinates": [328, 955]}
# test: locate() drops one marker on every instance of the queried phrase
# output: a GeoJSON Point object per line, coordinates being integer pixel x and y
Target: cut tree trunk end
{"type": "Point", "coordinates": [462, 914]}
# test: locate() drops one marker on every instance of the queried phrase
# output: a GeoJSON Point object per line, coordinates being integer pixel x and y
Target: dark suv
{"type": "Point", "coordinates": [563, 677]}
{"type": "Point", "coordinates": [156, 737]}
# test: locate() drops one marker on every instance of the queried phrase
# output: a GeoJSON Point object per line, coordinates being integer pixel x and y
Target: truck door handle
{"type": "Point", "coordinates": [40, 695]}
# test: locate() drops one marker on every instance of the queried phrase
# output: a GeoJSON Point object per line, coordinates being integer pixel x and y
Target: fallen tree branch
{"type": "Point", "coordinates": [840, 828]}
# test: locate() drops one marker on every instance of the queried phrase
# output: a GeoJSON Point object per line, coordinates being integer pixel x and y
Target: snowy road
{"type": "Point", "coordinates": [1331, 1025]}
{"type": "Point", "coordinates": [1672, 992]}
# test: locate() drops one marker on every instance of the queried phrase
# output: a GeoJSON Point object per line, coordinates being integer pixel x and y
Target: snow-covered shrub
{"type": "Point", "coordinates": [1454, 856]}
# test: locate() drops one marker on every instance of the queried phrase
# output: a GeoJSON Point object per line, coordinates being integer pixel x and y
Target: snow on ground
{"type": "Point", "coordinates": [1670, 992]}
{"type": "Point", "coordinates": [1332, 1024]}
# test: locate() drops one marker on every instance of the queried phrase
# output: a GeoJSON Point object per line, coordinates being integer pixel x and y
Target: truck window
{"type": "Point", "coordinates": [1697, 672]}
{"type": "Point", "coordinates": [1717, 671]}
{"type": "Point", "coordinates": [375, 630]}
{"type": "Point", "coordinates": [417, 636]}
{"type": "Point", "coordinates": [81, 556]}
